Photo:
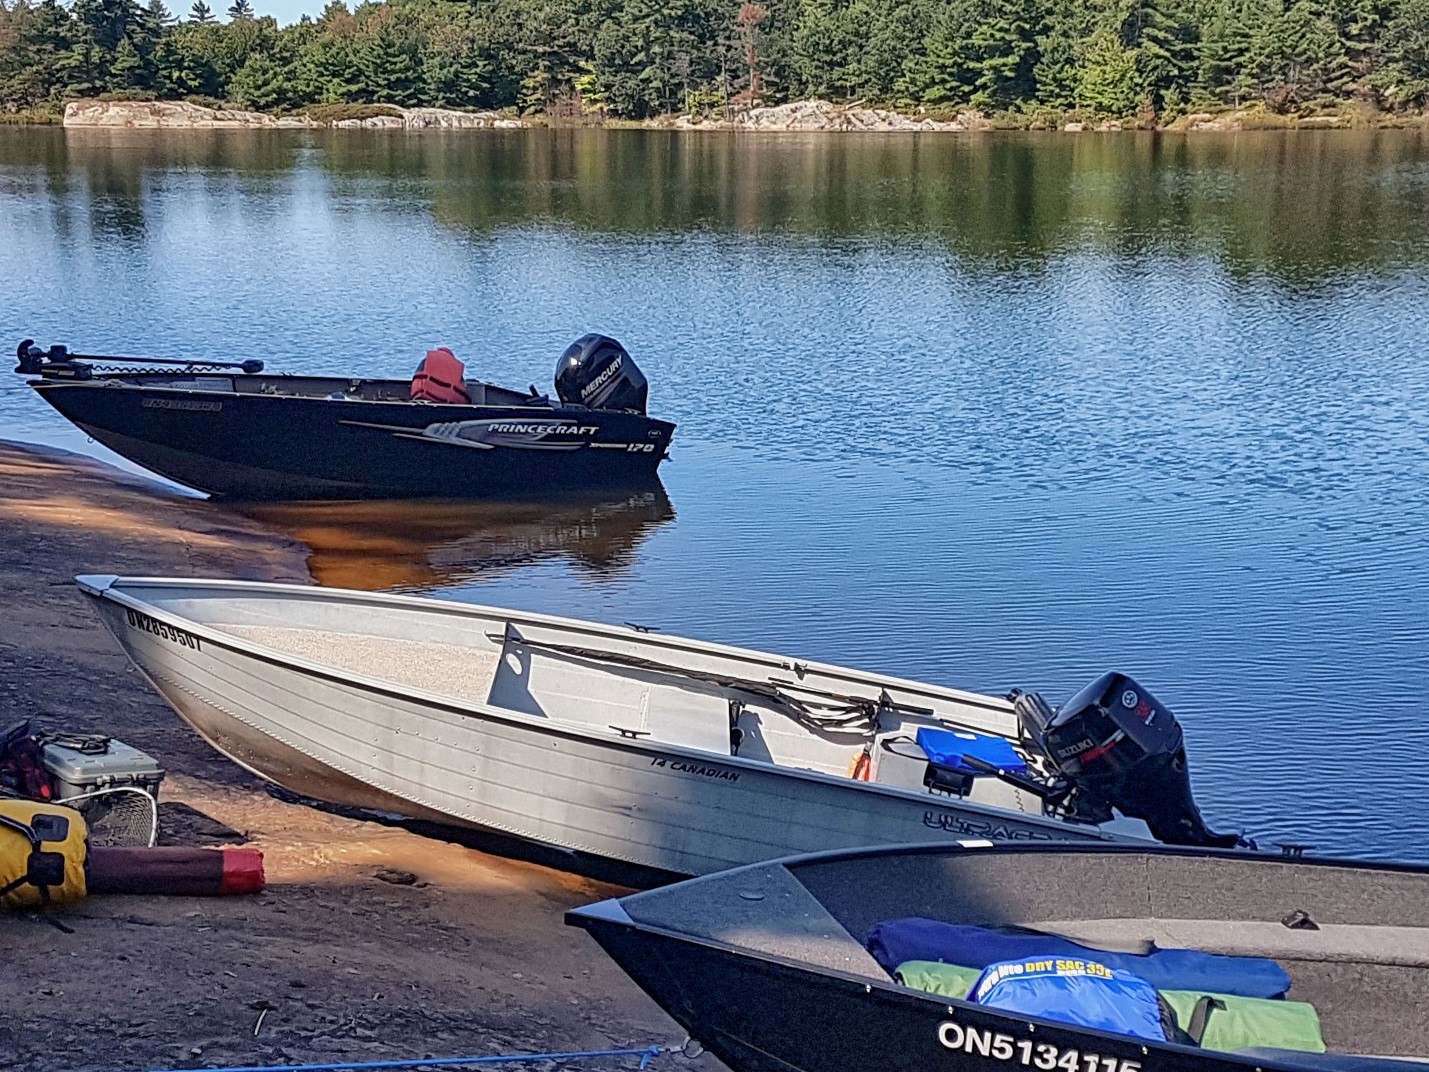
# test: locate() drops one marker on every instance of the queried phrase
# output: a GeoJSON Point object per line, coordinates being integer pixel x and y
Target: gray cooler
{"type": "Point", "coordinates": [80, 765]}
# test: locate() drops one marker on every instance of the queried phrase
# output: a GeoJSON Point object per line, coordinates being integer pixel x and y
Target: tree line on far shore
{"type": "Point", "coordinates": [640, 58]}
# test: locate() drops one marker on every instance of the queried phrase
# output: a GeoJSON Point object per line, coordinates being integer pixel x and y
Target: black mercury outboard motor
{"type": "Point", "coordinates": [1114, 746]}
{"type": "Point", "coordinates": [596, 371]}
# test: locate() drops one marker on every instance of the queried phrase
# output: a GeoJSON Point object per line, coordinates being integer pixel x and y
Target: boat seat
{"type": "Point", "coordinates": [903, 764]}
{"type": "Point", "coordinates": [615, 699]}
{"type": "Point", "coordinates": [1334, 942]}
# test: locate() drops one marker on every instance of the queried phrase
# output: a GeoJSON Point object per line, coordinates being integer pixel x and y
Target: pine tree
{"type": "Point", "coordinates": [387, 68]}
{"type": "Point", "coordinates": [947, 72]}
{"type": "Point", "coordinates": [826, 52]}
{"type": "Point", "coordinates": [1162, 40]}
{"type": "Point", "coordinates": [260, 83]}
{"type": "Point", "coordinates": [200, 13]}
{"type": "Point", "coordinates": [892, 34]}
{"type": "Point", "coordinates": [104, 23]}
{"type": "Point", "coordinates": [1404, 77]}
{"type": "Point", "coordinates": [240, 9]}
{"type": "Point", "coordinates": [127, 69]}
{"type": "Point", "coordinates": [1109, 84]}
{"type": "Point", "coordinates": [49, 38]}
{"type": "Point", "coordinates": [1226, 72]}
{"type": "Point", "coordinates": [455, 73]}
{"type": "Point", "coordinates": [983, 53]}
{"type": "Point", "coordinates": [158, 17]}
{"type": "Point", "coordinates": [1005, 47]}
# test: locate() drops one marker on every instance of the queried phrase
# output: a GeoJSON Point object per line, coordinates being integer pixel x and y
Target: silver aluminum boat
{"type": "Point", "coordinates": [668, 753]}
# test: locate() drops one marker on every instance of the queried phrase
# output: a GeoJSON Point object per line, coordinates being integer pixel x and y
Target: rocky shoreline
{"type": "Point", "coordinates": [182, 115]}
{"type": "Point", "coordinates": [812, 116]}
{"type": "Point", "coordinates": [822, 116]}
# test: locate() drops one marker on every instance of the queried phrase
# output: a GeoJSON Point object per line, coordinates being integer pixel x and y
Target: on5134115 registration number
{"type": "Point", "coordinates": [1040, 1055]}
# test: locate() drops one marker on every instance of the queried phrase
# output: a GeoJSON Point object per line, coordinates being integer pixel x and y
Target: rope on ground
{"type": "Point", "coordinates": [646, 1055]}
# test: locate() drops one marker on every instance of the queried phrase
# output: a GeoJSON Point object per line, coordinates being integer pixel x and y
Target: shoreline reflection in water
{"type": "Point", "coordinates": [420, 545]}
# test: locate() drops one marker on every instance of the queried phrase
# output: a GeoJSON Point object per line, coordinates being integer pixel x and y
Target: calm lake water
{"type": "Point", "coordinates": [988, 411]}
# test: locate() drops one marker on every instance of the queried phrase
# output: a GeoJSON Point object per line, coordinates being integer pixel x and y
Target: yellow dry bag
{"type": "Point", "coordinates": [42, 853]}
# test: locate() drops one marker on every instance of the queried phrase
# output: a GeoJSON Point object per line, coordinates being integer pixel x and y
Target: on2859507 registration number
{"type": "Point", "coordinates": [1040, 1055]}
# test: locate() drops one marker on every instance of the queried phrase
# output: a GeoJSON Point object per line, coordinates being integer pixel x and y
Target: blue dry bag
{"type": "Point", "coordinates": [1081, 992]}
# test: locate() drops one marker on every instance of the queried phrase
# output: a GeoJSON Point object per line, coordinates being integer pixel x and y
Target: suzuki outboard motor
{"type": "Point", "coordinates": [596, 371]}
{"type": "Point", "coordinates": [1114, 746]}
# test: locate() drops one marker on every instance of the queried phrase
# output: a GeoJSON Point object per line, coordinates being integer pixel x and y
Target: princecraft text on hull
{"type": "Point", "coordinates": [621, 743]}
{"type": "Point", "coordinates": [1054, 958]}
{"type": "Point", "coordinates": [231, 430]}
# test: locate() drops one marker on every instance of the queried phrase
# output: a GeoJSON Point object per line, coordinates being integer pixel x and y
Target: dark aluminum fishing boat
{"type": "Point", "coordinates": [228, 429]}
{"type": "Point", "coordinates": [786, 966]}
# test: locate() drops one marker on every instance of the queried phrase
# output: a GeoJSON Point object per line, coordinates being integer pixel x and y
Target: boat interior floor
{"type": "Point", "coordinates": [445, 669]}
{"type": "Point", "coordinates": [578, 686]}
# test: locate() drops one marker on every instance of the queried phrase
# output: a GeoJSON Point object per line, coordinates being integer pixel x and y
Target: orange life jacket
{"type": "Point", "coordinates": [439, 378]}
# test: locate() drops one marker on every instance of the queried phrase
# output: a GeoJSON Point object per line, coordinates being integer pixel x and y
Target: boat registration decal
{"type": "Point", "coordinates": [1039, 1055]}
{"type": "Point", "coordinates": [699, 769]}
{"type": "Point", "coordinates": [140, 620]}
{"type": "Point", "coordinates": [191, 405]}
{"type": "Point", "coordinates": [961, 824]}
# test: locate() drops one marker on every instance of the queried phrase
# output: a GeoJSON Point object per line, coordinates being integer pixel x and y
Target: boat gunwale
{"type": "Point", "coordinates": [110, 381]}
{"type": "Point", "coordinates": [102, 587]}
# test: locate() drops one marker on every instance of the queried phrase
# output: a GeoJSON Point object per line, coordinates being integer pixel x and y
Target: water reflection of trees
{"type": "Point", "coordinates": [1298, 206]}
{"type": "Point", "coordinates": [104, 178]}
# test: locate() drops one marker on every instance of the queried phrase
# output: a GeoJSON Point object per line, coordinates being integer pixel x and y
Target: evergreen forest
{"type": "Point", "coordinates": [642, 58]}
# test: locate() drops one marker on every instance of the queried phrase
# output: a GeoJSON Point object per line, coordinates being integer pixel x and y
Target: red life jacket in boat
{"type": "Point", "coordinates": [439, 378]}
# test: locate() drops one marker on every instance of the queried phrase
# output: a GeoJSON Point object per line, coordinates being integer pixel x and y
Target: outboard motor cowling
{"type": "Point", "coordinates": [1115, 746]}
{"type": "Point", "coordinates": [596, 371]}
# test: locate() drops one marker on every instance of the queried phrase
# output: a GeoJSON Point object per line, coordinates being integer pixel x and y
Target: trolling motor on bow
{"type": "Point", "coordinates": [54, 363]}
{"type": "Point", "coordinates": [1113, 745]}
{"type": "Point", "coordinates": [596, 371]}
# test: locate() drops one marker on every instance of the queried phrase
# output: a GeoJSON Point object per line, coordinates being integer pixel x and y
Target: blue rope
{"type": "Point", "coordinates": [646, 1055]}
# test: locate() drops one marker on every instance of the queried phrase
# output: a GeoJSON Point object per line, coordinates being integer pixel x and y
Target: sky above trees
{"type": "Point", "coordinates": [287, 11]}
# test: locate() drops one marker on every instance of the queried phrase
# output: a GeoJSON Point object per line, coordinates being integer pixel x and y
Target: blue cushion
{"type": "Point", "coordinates": [946, 748]}
{"type": "Point", "coordinates": [899, 940]}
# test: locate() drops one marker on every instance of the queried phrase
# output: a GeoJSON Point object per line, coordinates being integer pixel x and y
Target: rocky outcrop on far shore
{"type": "Point", "coordinates": [825, 116]}
{"type": "Point", "coordinates": [812, 116]}
{"type": "Point", "coordinates": [181, 115]}
{"type": "Point", "coordinates": [434, 119]}
{"type": "Point", "coordinates": [176, 114]}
